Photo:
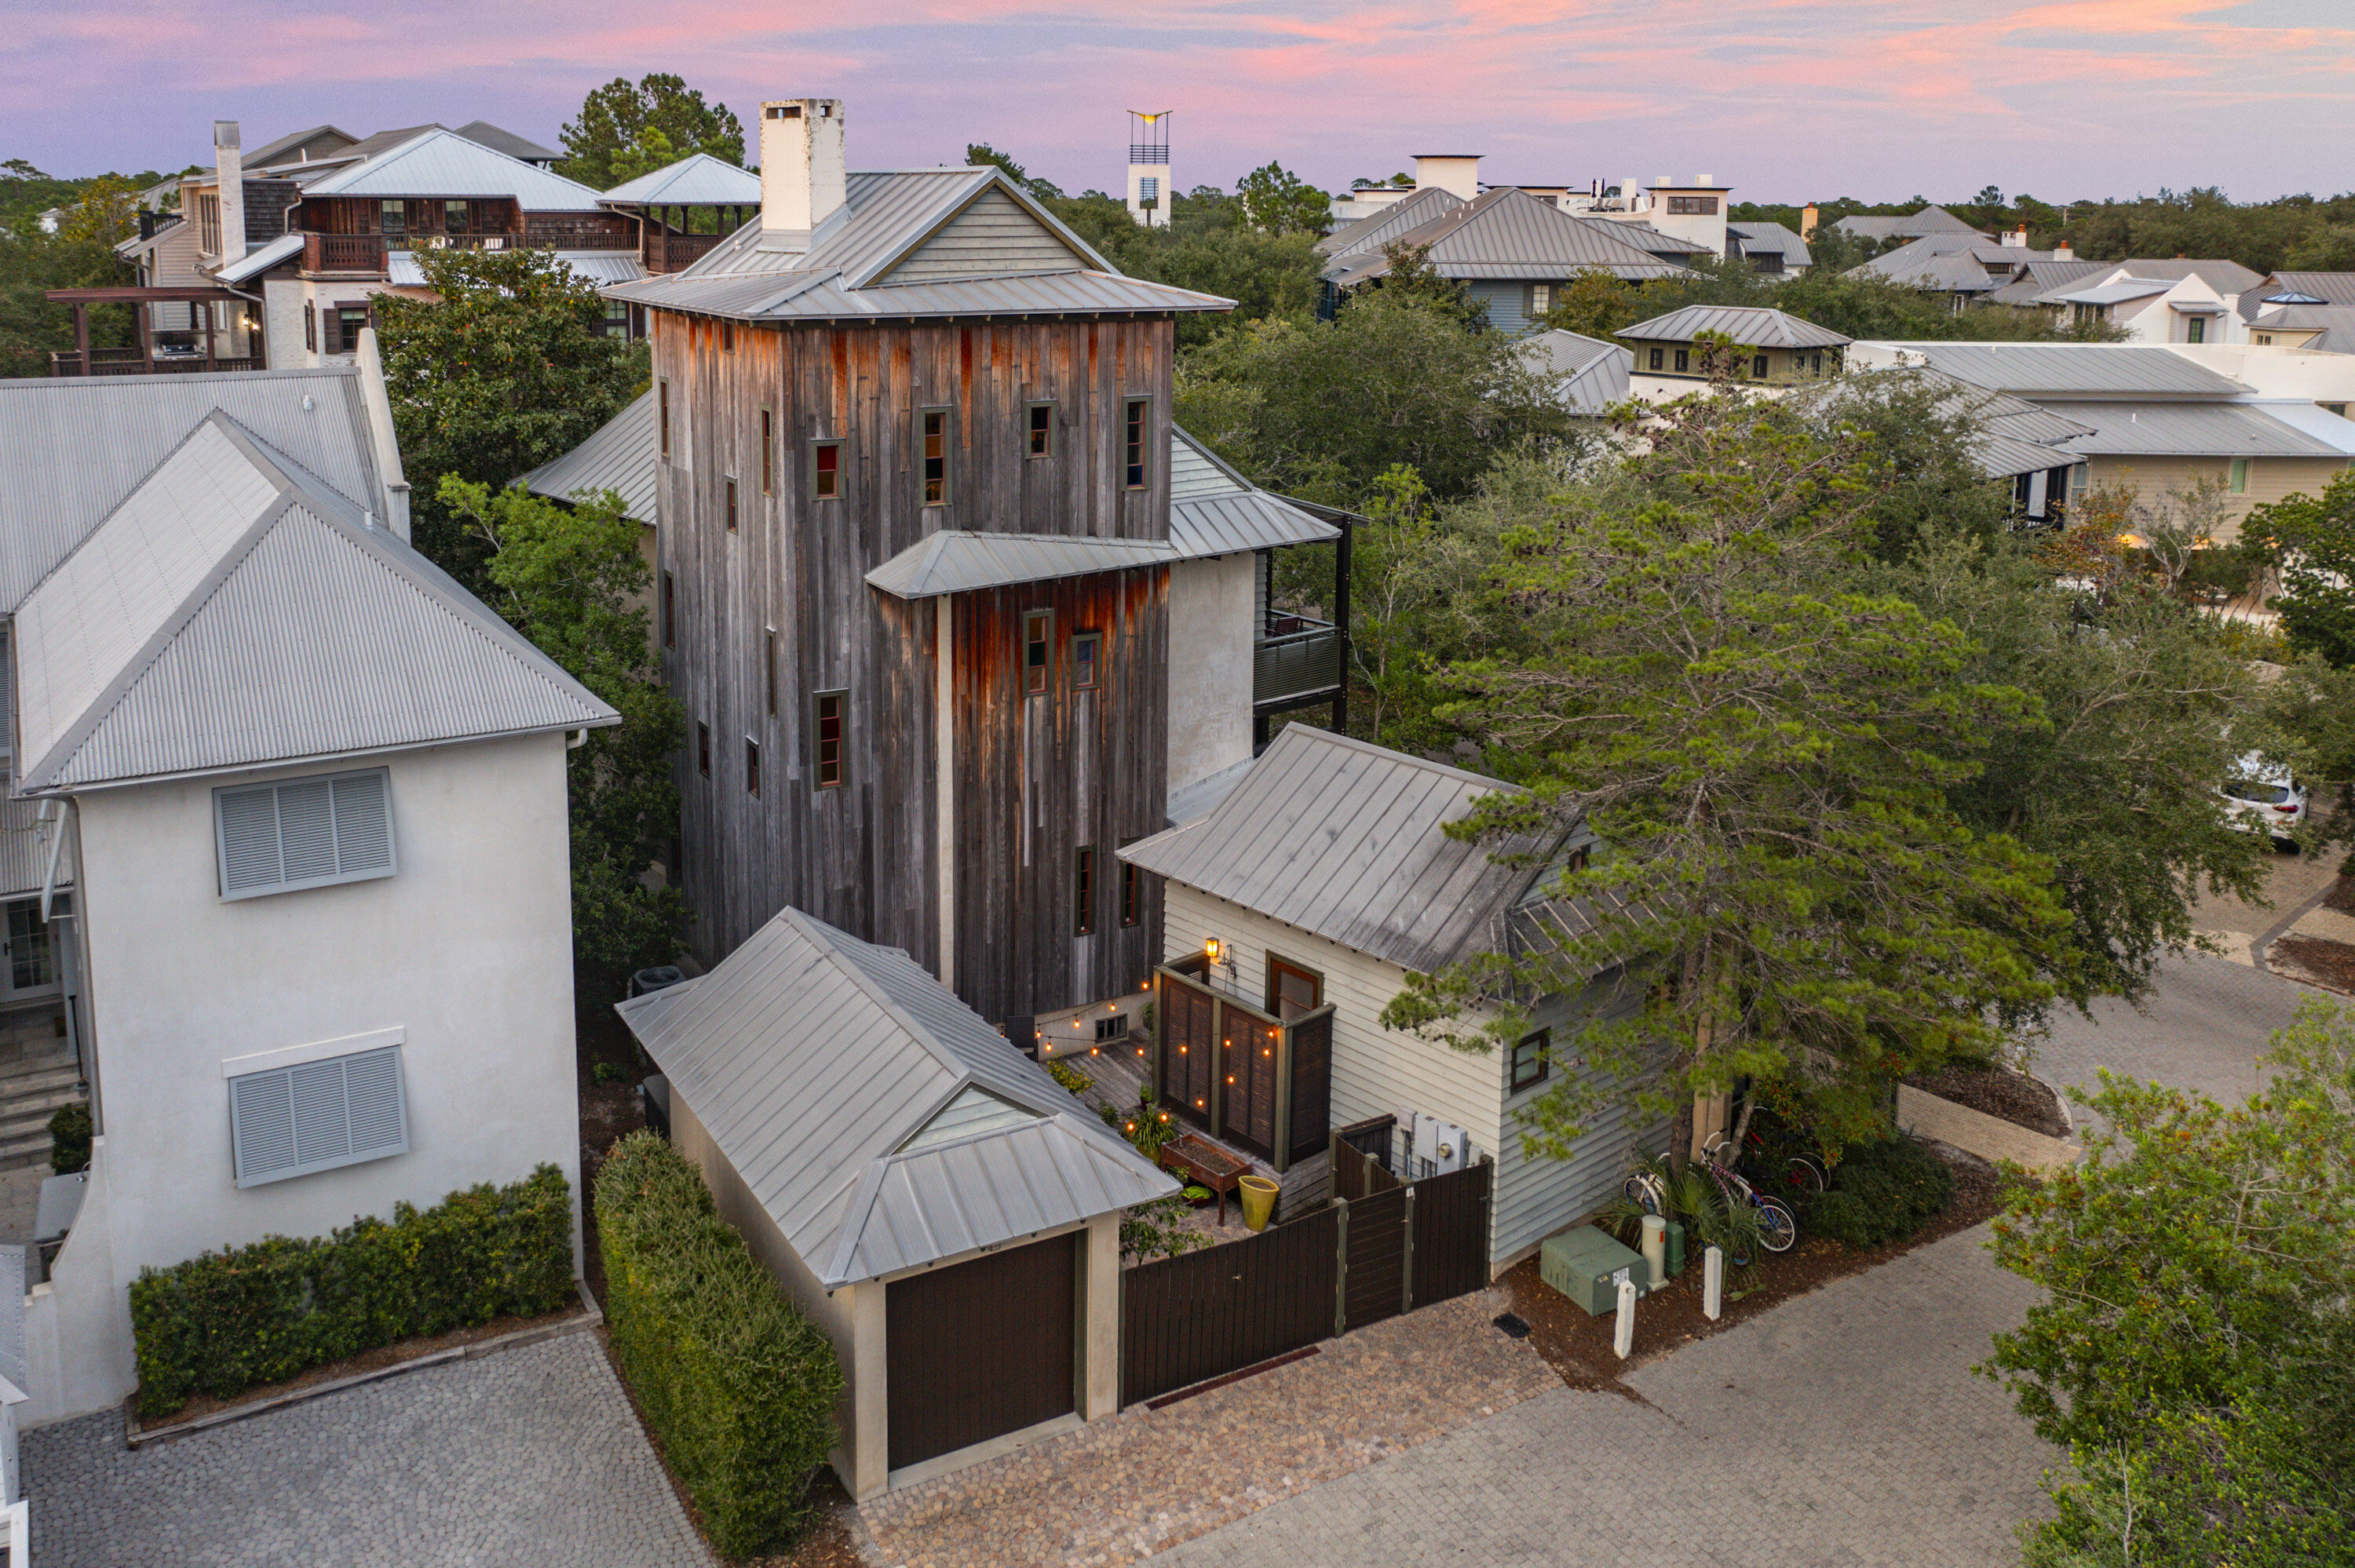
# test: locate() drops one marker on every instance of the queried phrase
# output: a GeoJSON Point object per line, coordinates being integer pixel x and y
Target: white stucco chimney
{"type": "Point", "coordinates": [803, 177]}
{"type": "Point", "coordinates": [1456, 172]}
{"type": "Point", "coordinates": [230, 163]}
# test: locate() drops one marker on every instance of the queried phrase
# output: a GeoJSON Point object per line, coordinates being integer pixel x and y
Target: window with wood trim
{"type": "Point", "coordinates": [727, 337]}
{"type": "Point", "coordinates": [1132, 889]}
{"type": "Point", "coordinates": [751, 765]}
{"type": "Point", "coordinates": [1083, 891]}
{"type": "Point", "coordinates": [829, 714]}
{"type": "Point", "coordinates": [303, 833]}
{"type": "Point", "coordinates": [1532, 1059]}
{"type": "Point", "coordinates": [316, 1116]}
{"type": "Point", "coordinates": [1541, 299]}
{"type": "Point", "coordinates": [731, 505]}
{"type": "Point", "coordinates": [936, 457]}
{"type": "Point", "coordinates": [703, 748]}
{"type": "Point", "coordinates": [1135, 430]}
{"type": "Point", "coordinates": [1087, 660]}
{"type": "Point", "coordinates": [1758, 366]}
{"type": "Point", "coordinates": [1037, 663]}
{"type": "Point", "coordinates": [1659, 357]}
{"type": "Point", "coordinates": [1042, 440]}
{"type": "Point", "coordinates": [1692, 206]}
{"type": "Point", "coordinates": [769, 666]}
{"type": "Point", "coordinates": [768, 452]}
{"type": "Point", "coordinates": [662, 412]}
{"type": "Point", "coordinates": [825, 470]}
{"type": "Point", "coordinates": [669, 611]}
{"type": "Point", "coordinates": [1684, 360]}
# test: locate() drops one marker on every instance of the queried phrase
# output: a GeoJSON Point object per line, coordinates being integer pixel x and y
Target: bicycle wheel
{"type": "Point", "coordinates": [1804, 1173]}
{"type": "Point", "coordinates": [1778, 1229]}
{"type": "Point", "coordinates": [1645, 1190]}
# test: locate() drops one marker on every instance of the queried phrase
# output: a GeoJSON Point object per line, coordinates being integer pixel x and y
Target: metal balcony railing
{"type": "Point", "coordinates": [1301, 660]}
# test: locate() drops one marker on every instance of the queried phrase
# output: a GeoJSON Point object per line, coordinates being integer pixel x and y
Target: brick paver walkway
{"type": "Point", "coordinates": [2204, 1027]}
{"type": "Point", "coordinates": [527, 1458]}
{"type": "Point", "coordinates": [1843, 1428]}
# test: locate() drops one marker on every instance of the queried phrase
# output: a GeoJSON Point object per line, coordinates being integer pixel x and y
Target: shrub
{"type": "Point", "coordinates": [1882, 1192]}
{"type": "Point", "coordinates": [223, 1322]}
{"type": "Point", "coordinates": [738, 1383]}
{"type": "Point", "coordinates": [70, 1132]}
{"type": "Point", "coordinates": [1070, 1077]}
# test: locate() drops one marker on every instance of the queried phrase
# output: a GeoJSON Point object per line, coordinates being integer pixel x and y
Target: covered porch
{"type": "Point", "coordinates": [226, 334]}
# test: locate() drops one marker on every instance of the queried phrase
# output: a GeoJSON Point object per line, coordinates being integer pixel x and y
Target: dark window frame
{"type": "Point", "coordinates": [1541, 1059]}
{"type": "Point", "coordinates": [1136, 443]}
{"type": "Point", "coordinates": [1278, 965]}
{"type": "Point", "coordinates": [1039, 436]}
{"type": "Point", "coordinates": [662, 409]}
{"type": "Point", "coordinates": [730, 480]}
{"type": "Point", "coordinates": [1092, 663]}
{"type": "Point", "coordinates": [768, 451]}
{"type": "Point", "coordinates": [1083, 897]}
{"type": "Point", "coordinates": [669, 610]}
{"type": "Point", "coordinates": [934, 471]}
{"type": "Point", "coordinates": [1131, 890]}
{"type": "Point", "coordinates": [1758, 366]}
{"type": "Point", "coordinates": [768, 665]}
{"type": "Point", "coordinates": [819, 475]}
{"type": "Point", "coordinates": [1038, 674]}
{"type": "Point", "coordinates": [727, 337]}
{"type": "Point", "coordinates": [1692, 206]}
{"type": "Point", "coordinates": [1684, 360]}
{"type": "Point", "coordinates": [1659, 357]}
{"type": "Point", "coordinates": [703, 748]}
{"type": "Point", "coordinates": [839, 761]}
{"type": "Point", "coordinates": [751, 766]}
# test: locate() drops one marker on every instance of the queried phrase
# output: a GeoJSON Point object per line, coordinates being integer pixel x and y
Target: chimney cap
{"type": "Point", "coordinates": [225, 133]}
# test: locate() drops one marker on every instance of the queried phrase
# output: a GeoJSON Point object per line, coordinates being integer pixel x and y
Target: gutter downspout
{"type": "Point", "coordinates": [944, 779]}
{"type": "Point", "coordinates": [374, 398]}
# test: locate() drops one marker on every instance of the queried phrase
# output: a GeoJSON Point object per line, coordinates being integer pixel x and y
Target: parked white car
{"type": "Point", "coordinates": [2265, 796]}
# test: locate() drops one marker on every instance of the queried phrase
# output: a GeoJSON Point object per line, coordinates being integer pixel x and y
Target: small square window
{"type": "Point", "coordinates": [1532, 1059]}
{"type": "Point", "coordinates": [731, 505]}
{"type": "Point", "coordinates": [1086, 648]}
{"type": "Point", "coordinates": [1042, 431]}
{"type": "Point", "coordinates": [1083, 888]}
{"type": "Point", "coordinates": [1133, 443]}
{"type": "Point", "coordinates": [1036, 626]}
{"type": "Point", "coordinates": [1659, 357]}
{"type": "Point", "coordinates": [703, 748]}
{"type": "Point", "coordinates": [751, 765]}
{"type": "Point", "coordinates": [827, 709]}
{"type": "Point", "coordinates": [768, 452]}
{"type": "Point", "coordinates": [825, 470]}
{"type": "Point", "coordinates": [1684, 359]}
{"type": "Point", "coordinates": [936, 457]}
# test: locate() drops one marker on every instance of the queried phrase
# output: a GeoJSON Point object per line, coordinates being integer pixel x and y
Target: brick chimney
{"type": "Point", "coordinates": [229, 161]}
{"type": "Point", "coordinates": [803, 177]}
{"type": "Point", "coordinates": [1809, 217]}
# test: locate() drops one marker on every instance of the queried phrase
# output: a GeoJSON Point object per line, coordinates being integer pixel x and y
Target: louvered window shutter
{"type": "Point", "coordinates": [305, 833]}
{"type": "Point", "coordinates": [331, 331]}
{"type": "Point", "coordinates": [292, 1121]}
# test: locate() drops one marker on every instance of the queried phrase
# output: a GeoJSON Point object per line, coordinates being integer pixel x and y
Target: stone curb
{"type": "Point", "coordinates": [135, 1438]}
{"type": "Point", "coordinates": [1975, 1132]}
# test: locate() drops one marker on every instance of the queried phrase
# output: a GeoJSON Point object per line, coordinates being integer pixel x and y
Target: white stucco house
{"type": "Point", "coordinates": [315, 794]}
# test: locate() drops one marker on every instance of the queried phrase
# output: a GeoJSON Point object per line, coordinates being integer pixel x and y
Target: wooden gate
{"type": "Point", "coordinates": [1242, 1074]}
{"type": "Point", "coordinates": [980, 1349]}
{"type": "Point", "coordinates": [1203, 1314]}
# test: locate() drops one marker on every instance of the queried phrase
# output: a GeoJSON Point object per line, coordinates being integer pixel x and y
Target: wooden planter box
{"type": "Point", "coordinates": [1926, 1115]}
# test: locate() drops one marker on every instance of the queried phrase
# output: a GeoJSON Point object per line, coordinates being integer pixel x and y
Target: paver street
{"type": "Point", "coordinates": [527, 1458]}
{"type": "Point", "coordinates": [1842, 1428]}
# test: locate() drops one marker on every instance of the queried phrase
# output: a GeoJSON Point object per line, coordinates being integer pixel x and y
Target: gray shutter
{"type": "Point", "coordinates": [363, 824]}
{"type": "Point", "coordinates": [306, 830]}
{"type": "Point", "coordinates": [293, 1121]}
{"type": "Point", "coordinates": [248, 836]}
{"type": "Point", "coordinates": [305, 833]}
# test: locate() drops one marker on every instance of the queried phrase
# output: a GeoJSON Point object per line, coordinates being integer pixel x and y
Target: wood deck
{"type": "Point", "coordinates": [1119, 1074]}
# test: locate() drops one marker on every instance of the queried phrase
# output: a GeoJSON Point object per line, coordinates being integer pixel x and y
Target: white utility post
{"type": "Point", "coordinates": [1712, 1283]}
{"type": "Point", "coordinates": [1622, 1334]}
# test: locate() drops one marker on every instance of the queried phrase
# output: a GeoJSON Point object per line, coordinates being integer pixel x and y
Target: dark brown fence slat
{"type": "Point", "coordinates": [1201, 1314]}
{"type": "Point", "coordinates": [1451, 1234]}
{"type": "Point", "coordinates": [1377, 1249]}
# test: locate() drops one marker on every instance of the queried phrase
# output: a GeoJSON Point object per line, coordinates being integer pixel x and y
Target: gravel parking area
{"type": "Point", "coordinates": [527, 1458]}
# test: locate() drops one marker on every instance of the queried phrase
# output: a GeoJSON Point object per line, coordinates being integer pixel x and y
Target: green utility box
{"type": "Point", "coordinates": [1675, 1249]}
{"type": "Point", "coordinates": [1584, 1264]}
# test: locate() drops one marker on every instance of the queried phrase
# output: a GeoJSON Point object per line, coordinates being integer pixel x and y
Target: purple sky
{"type": "Point", "coordinates": [1786, 99]}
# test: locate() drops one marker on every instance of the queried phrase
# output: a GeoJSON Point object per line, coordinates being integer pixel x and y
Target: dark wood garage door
{"type": "Point", "coordinates": [981, 1348]}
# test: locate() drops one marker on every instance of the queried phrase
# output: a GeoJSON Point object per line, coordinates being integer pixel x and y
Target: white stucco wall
{"type": "Point", "coordinates": [2277, 372]}
{"type": "Point", "coordinates": [1209, 666]}
{"type": "Point", "coordinates": [467, 950]}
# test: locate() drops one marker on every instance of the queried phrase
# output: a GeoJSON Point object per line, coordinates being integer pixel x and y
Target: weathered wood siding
{"type": "Point", "coordinates": [1088, 768]}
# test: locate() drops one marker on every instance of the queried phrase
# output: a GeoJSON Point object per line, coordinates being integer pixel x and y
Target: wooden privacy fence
{"type": "Point", "coordinates": [1203, 1314]}
{"type": "Point", "coordinates": [1242, 1075]}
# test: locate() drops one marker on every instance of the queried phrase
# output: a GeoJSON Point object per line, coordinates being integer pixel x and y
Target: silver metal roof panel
{"type": "Point", "coordinates": [2193, 430]}
{"type": "Point", "coordinates": [1750, 325]}
{"type": "Point", "coordinates": [1371, 233]}
{"type": "Point", "coordinates": [262, 259]}
{"type": "Point", "coordinates": [621, 456]}
{"type": "Point", "coordinates": [439, 162]}
{"type": "Point", "coordinates": [698, 180]}
{"type": "Point", "coordinates": [956, 560]}
{"type": "Point", "coordinates": [2068, 370]}
{"type": "Point", "coordinates": [1507, 233]}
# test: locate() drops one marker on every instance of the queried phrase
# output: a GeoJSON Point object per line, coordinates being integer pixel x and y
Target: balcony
{"type": "Point", "coordinates": [343, 255]}
{"type": "Point", "coordinates": [579, 232]}
{"type": "Point", "coordinates": [132, 361]}
{"type": "Point", "coordinates": [1298, 662]}
{"type": "Point", "coordinates": [667, 251]}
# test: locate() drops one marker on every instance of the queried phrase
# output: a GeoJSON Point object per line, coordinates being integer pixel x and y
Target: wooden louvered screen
{"type": "Point", "coordinates": [292, 1121]}
{"type": "Point", "coordinates": [1250, 1043]}
{"type": "Point", "coordinates": [1189, 1052]}
{"type": "Point", "coordinates": [305, 833]}
{"type": "Point", "coordinates": [1308, 1052]}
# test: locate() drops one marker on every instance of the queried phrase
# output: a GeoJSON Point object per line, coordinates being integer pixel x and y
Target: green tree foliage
{"type": "Point", "coordinates": [1325, 411]}
{"type": "Point", "coordinates": [978, 154]}
{"type": "Point", "coordinates": [505, 367]}
{"type": "Point", "coordinates": [2200, 222]}
{"type": "Point", "coordinates": [610, 134]}
{"type": "Point", "coordinates": [2329, 247]}
{"type": "Point", "coordinates": [105, 209]}
{"type": "Point", "coordinates": [79, 255]}
{"type": "Point", "coordinates": [2310, 543]}
{"type": "Point", "coordinates": [1765, 753]}
{"type": "Point", "coordinates": [572, 579]}
{"type": "Point", "coordinates": [1277, 201]}
{"type": "Point", "coordinates": [2196, 1348]}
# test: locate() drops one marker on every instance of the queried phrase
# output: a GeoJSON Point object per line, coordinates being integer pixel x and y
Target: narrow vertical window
{"type": "Point", "coordinates": [936, 458]}
{"type": "Point", "coordinates": [769, 666]}
{"type": "Point", "coordinates": [311, 327]}
{"type": "Point", "coordinates": [1133, 454]}
{"type": "Point", "coordinates": [1042, 430]}
{"type": "Point", "coordinates": [768, 452]}
{"type": "Point", "coordinates": [703, 748]}
{"type": "Point", "coordinates": [1758, 366]}
{"type": "Point", "coordinates": [751, 765]}
{"type": "Point", "coordinates": [1684, 360]}
{"type": "Point", "coordinates": [826, 711]}
{"type": "Point", "coordinates": [727, 337]}
{"type": "Point", "coordinates": [670, 611]}
{"type": "Point", "coordinates": [1086, 648]}
{"type": "Point", "coordinates": [1036, 627]}
{"type": "Point", "coordinates": [1132, 904]}
{"type": "Point", "coordinates": [662, 405]}
{"type": "Point", "coordinates": [825, 470]}
{"type": "Point", "coordinates": [1083, 892]}
{"type": "Point", "coordinates": [731, 505]}
{"type": "Point", "coordinates": [2240, 479]}
{"type": "Point", "coordinates": [1656, 357]}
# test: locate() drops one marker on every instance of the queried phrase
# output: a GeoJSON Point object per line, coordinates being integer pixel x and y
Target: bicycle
{"type": "Point", "coordinates": [1778, 1228]}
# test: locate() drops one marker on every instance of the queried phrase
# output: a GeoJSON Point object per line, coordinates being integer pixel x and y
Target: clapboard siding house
{"type": "Point", "coordinates": [1322, 879]}
{"type": "Point", "coordinates": [916, 557]}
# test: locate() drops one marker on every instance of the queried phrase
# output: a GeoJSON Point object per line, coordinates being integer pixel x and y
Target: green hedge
{"type": "Point", "coordinates": [738, 1383]}
{"type": "Point", "coordinates": [69, 1136]}
{"type": "Point", "coordinates": [1882, 1192]}
{"type": "Point", "coordinates": [225, 1321]}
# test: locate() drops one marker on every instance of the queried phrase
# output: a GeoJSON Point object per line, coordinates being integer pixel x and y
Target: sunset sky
{"type": "Point", "coordinates": [1786, 99]}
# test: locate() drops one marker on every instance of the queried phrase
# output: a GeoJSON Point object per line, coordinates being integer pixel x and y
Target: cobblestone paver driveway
{"type": "Point", "coordinates": [528, 1458]}
{"type": "Point", "coordinates": [1843, 1428]}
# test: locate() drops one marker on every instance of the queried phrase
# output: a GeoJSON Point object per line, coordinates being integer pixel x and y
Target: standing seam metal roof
{"type": "Point", "coordinates": [813, 1058]}
{"type": "Point", "coordinates": [2193, 430]}
{"type": "Point", "coordinates": [619, 456]}
{"type": "Point", "coordinates": [2065, 370]}
{"type": "Point", "coordinates": [1373, 232]}
{"type": "Point", "coordinates": [439, 162]}
{"type": "Point", "coordinates": [697, 180]}
{"type": "Point", "coordinates": [1507, 233]}
{"type": "Point", "coordinates": [1751, 325]}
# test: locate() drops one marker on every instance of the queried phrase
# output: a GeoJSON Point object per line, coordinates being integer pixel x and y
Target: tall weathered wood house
{"type": "Point", "coordinates": [918, 580]}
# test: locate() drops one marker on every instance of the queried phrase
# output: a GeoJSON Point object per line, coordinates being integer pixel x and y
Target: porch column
{"type": "Point", "coordinates": [82, 336]}
{"type": "Point", "coordinates": [1099, 1321]}
{"type": "Point", "coordinates": [210, 326]}
{"type": "Point", "coordinates": [1341, 625]}
{"type": "Point", "coordinates": [143, 320]}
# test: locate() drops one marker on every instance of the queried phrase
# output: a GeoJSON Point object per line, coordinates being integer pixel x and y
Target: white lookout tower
{"type": "Point", "coordinates": [1149, 168]}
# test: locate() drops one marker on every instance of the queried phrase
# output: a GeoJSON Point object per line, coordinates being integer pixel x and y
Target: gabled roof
{"type": "Point", "coordinates": [1760, 238]}
{"type": "Point", "coordinates": [1752, 326]}
{"type": "Point", "coordinates": [1926, 220]}
{"type": "Point", "coordinates": [1373, 232]}
{"type": "Point", "coordinates": [236, 611]}
{"type": "Point", "coordinates": [71, 449]}
{"type": "Point", "coordinates": [1348, 841]}
{"type": "Point", "coordinates": [438, 163]}
{"type": "Point", "coordinates": [2072, 370]}
{"type": "Point", "coordinates": [823, 1067]}
{"type": "Point", "coordinates": [913, 243]}
{"type": "Point", "coordinates": [484, 134]}
{"type": "Point", "coordinates": [262, 259]}
{"type": "Point", "coordinates": [1215, 511]}
{"type": "Point", "coordinates": [2045, 274]}
{"type": "Point", "coordinates": [2014, 436]}
{"type": "Point", "coordinates": [2116, 294]}
{"type": "Point", "coordinates": [620, 456]}
{"type": "Point", "coordinates": [1589, 375]}
{"type": "Point", "coordinates": [2334, 325]}
{"type": "Point", "coordinates": [2196, 430]}
{"type": "Point", "coordinates": [697, 180]}
{"type": "Point", "coordinates": [958, 560]}
{"type": "Point", "coordinates": [269, 153]}
{"type": "Point", "coordinates": [2300, 288]}
{"type": "Point", "coordinates": [1506, 233]}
